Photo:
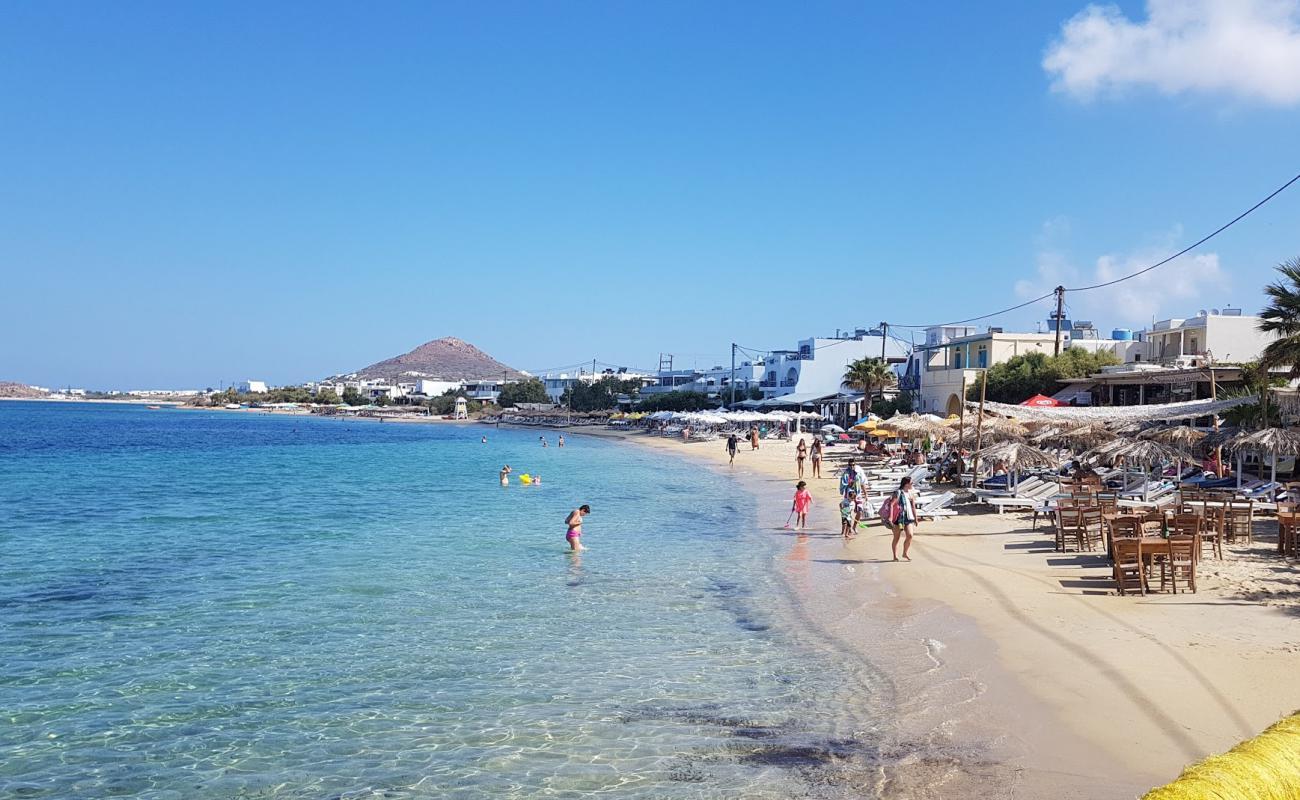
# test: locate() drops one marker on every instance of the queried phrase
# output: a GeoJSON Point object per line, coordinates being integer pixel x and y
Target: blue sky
{"type": "Point", "coordinates": [282, 191]}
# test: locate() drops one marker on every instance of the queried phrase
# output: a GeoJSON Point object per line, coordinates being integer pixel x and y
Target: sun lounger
{"type": "Point", "coordinates": [1035, 498]}
{"type": "Point", "coordinates": [937, 506]}
{"type": "Point", "coordinates": [1027, 485]}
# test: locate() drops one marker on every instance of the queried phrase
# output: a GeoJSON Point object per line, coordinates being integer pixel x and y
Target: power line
{"type": "Point", "coordinates": [1194, 245]}
{"type": "Point", "coordinates": [1130, 276]}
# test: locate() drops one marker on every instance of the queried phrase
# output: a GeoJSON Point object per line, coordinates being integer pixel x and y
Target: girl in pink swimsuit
{"type": "Point", "coordinates": [802, 502]}
{"type": "Point", "coordinates": [574, 521]}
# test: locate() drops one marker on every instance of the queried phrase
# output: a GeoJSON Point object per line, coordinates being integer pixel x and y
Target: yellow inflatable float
{"type": "Point", "coordinates": [525, 479]}
{"type": "Point", "coordinates": [1264, 768]}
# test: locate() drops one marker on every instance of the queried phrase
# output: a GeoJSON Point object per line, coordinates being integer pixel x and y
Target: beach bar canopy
{"type": "Point", "coordinates": [1189, 409]}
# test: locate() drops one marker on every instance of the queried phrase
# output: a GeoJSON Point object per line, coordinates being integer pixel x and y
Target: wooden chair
{"type": "Point", "coordinates": [1128, 570]}
{"type": "Point", "coordinates": [1212, 529]}
{"type": "Point", "coordinates": [1092, 533]}
{"type": "Point", "coordinates": [1288, 535]}
{"type": "Point", "coordinates": [1067, 529]}
{"type": "Point", "coordinates": [1153, 523]}
{"type": "Point", "coordinates": [1240, 521]}
{"type": "Point", "coordinates": [1179, 561]}
{"type": "Point", "coordinates": [1189, 496]}
{"type": "Point", "coordinates": [1124, 526]}
{"type": "Point", "coordinates": [1108, 502]}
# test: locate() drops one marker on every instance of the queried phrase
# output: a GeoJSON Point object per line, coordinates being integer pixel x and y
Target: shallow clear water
{"type": "Point", "coordinates": [209, 604]}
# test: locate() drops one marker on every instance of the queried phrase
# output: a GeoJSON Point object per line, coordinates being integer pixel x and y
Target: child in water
{"type": "Point", "coordinates": [802, 502]}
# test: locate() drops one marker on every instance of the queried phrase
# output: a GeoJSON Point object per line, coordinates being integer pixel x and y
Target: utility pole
{"type": "Point", "coordinates": [733, 374]}
{"type": "Point", "coordinates": [979, 428]}
{"type": "Point", "coordinates": [884, 332]}
{"type": "Point", "coordinates": [961, 414]}
{"type": "Point", "coordinates": [1060, 316]}
{"type": "Point", "coordinates": [1214, 396]}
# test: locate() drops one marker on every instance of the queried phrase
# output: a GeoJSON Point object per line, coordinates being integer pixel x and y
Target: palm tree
{"type": "Point", "coordinates": [1282, 317]}
{"type": "Point", "coordinates": [868, 374]}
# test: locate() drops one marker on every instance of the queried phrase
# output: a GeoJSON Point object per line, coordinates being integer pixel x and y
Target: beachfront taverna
{"type": "Point", "coordinates": [954, 356]}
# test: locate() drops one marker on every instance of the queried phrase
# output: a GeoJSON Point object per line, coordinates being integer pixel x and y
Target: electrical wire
{"type": "Point", "coordinates": [1121, 279]}
{"type": "Point", "coordinates": [1194, 245]}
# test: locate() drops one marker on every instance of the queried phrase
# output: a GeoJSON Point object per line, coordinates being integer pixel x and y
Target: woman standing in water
{"type": "Point", "coordinates": [574, 522]}
{"type": "Point", "coordinates": [905, 524]}
{"type": "Point", "coordinates": [505, 475]}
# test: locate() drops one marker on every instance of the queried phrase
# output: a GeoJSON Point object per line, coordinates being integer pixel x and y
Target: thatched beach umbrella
{"type": "Point", "coordinates": [1016, 456]}
{"type": "Point", "coordinates": [1139, 451]}
{"type": "Point", "coordinates": [1181, 436]}
{"type": "Point", "coordinates": [915, 426]}
{"type": "Point", "coordinates": [986, 433]}
{"type": "Point", "coordinates": [1087, 435]}
{"type": "Point", "coordinates": [1271, 442]}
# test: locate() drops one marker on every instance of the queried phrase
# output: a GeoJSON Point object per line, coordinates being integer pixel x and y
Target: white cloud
{"type": "Point", "coordinates": [1178, 289]}
{"type": "Point", "coordinates": [1246, 48]}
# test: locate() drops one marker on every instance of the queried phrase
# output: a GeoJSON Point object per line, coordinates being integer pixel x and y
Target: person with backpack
{"type": "Point", "coordinates": [899, 513]}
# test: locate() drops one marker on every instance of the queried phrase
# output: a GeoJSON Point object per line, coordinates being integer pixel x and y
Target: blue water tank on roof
{"type": "Point", "coordinates": [1122, 335]}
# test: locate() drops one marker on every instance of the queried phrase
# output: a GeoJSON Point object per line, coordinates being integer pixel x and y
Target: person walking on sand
{"type": "Point", "coordinates": [905, 519]}
{"type": "Point", "coordinates": [851, 479]}
{"type": "Point", "coordinates": [505, 475]}
{"type": "Point", "coordinates": [733, 442]}
{"type": "Point", "coordinates": [574, 523]}
{"type": "Point", "coordinates": [801, 455]}
{"type": "Point", "coordinates": [849, 516]}
{"type": "Point", "coordinates": [753, 438]}
{"type": "Point", "coordinates": [816, 454]}
{"type": "Point", "coordinates": [802, 503]}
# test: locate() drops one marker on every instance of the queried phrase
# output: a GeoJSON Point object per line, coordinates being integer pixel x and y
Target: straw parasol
{"type": "Point", "coordinates": [1142, 451]}
{"type": "Point", "coordinates": [1271, 442]}
{"type": "Point", "coordinates": [1139, 451]}
{"type": "Point", "coordinates": [995, 429]}
{"type": "Point", "coordinates": [1016, 456]}
{"type": "Point", "coordinates": [1087, 435]}
{"type": "Point", "coordinates": [914, 426]}
{"type": "Point", "coordinates": [1180, 436]}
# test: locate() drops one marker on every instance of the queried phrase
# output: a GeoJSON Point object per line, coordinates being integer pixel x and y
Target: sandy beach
{"type": "Point", "coordinates": [1012, 655]}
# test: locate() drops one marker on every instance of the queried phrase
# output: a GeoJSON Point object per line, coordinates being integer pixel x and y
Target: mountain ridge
{"type": "Point", "coordinates": [447, 358]}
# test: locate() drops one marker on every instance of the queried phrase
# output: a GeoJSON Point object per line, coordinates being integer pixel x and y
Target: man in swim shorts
{"type": "Point", "coordinates": [574, 521]}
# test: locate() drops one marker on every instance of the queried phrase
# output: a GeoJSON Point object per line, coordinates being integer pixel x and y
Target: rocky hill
{"type": "Point", "coordinates": [446, 358]}
{"type": "Point", "coordinates": [11, 389]}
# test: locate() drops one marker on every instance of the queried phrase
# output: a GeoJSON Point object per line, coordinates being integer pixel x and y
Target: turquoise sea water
{"type": "Point", "coordinates": [208, 604]}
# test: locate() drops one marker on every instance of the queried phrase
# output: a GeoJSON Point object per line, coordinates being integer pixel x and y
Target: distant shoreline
{"type": "Point", "coordinates": [134, 401]}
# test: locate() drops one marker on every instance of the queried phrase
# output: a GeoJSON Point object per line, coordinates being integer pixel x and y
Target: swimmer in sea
{"type": "Point", "coordinates": [561, 443]}
{"type": "Point", "coordinates": [574, 522]}
{"type": "Point", "coordinates": [505, 475]}
{"type": "Point", "coordinates": [543, 438]}
{"type": "Point", "coordinates": [484, 440]}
